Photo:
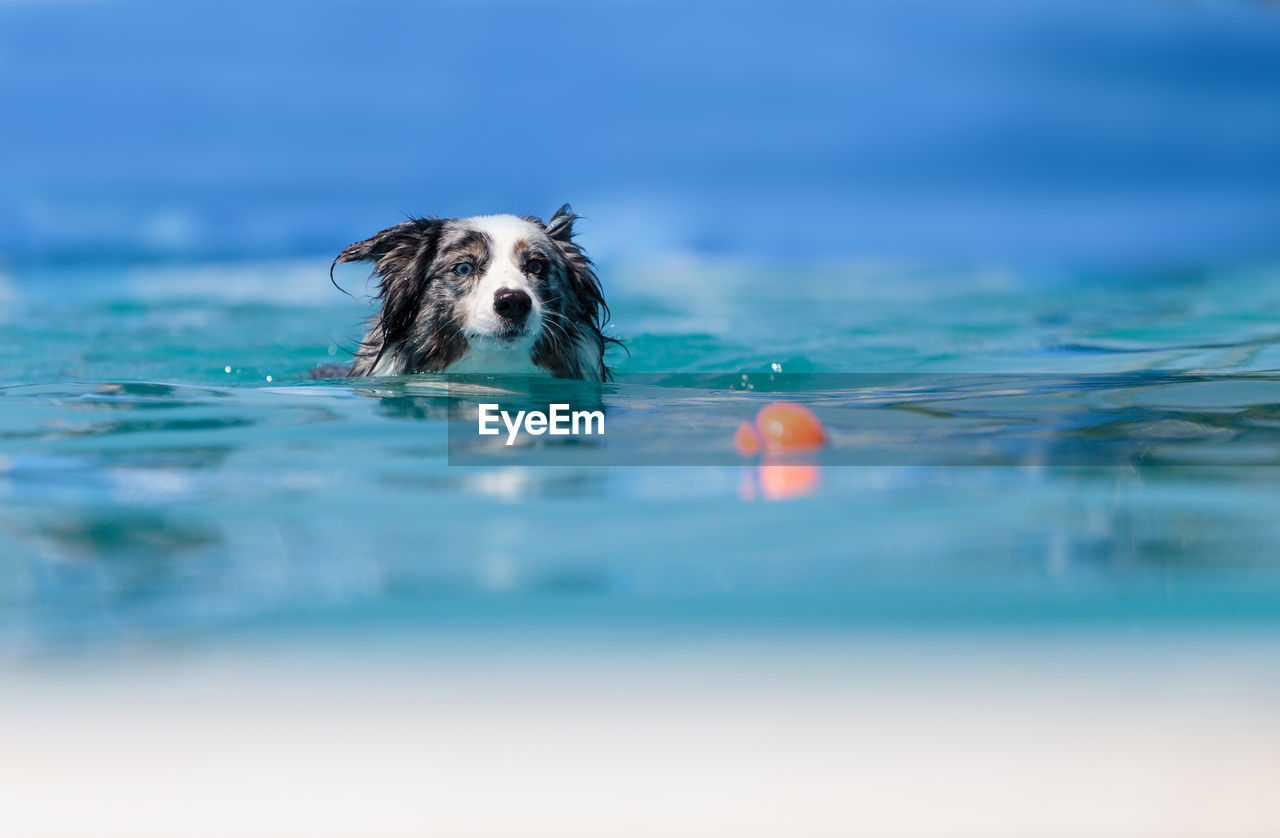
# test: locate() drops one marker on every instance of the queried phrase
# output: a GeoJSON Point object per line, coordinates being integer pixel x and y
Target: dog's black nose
{"type": "Point", "coordinates": [512, 304]}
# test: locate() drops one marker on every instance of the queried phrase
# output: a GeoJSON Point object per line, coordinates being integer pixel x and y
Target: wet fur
{"type": "Point", "coordinates": [422, 326]}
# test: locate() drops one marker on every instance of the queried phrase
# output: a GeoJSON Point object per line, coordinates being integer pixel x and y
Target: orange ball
{"type": "Point", "coordinates": [746, 441]}
{"type": "Point", "coordinates": [788, 428]}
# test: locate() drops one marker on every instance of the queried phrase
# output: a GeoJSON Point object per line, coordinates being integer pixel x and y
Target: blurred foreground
{"type": "Point", "coordinates": [529, 733]}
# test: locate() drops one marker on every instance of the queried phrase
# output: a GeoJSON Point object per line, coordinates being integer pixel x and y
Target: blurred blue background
{"type": "Point", "coordinates": [1047, 132]}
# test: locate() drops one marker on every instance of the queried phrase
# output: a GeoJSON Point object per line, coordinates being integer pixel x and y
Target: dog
{"type": "Point", "coordinates": [488, 294]}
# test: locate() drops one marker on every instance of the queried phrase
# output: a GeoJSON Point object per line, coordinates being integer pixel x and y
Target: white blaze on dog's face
{"type": "Point", "coordinates": [499, 281]}
{"type": "Point", "coordinates": [503, 309]}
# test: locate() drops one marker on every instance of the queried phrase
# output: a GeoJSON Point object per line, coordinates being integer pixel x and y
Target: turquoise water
{"type": "Point", "coordinates": [168, 472]}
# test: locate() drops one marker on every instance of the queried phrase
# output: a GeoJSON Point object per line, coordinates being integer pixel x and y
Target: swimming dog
{"type": "Point", "coordinates": [487, 294]}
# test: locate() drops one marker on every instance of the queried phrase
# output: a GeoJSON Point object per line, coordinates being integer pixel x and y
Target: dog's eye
{"type": "Point", "coordinates": [537, 267]}
{"type": "Point", "coordinates": [463, 268]}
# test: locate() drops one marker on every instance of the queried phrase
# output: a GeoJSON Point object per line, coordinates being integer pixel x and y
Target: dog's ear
{"type": "Point", "coordinates": [560, 227]}
{"type": "Point", "coordinates": [401, 255]}
{"type": "Point", "coordinates": [581, 274]}
{"type": "Point", "coordinates": [589, 296]}
{"type": "Point", "coordinates": [405, 236]}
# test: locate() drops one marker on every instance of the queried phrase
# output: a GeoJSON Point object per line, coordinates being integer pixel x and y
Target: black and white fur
{"type": "Point", "coordinates": [488, 294]}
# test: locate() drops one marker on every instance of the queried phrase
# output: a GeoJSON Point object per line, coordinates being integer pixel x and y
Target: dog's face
{"type": "Point", "coordinates": [499, 272]}
{"type": "Point", "coordinates": [491, 294]}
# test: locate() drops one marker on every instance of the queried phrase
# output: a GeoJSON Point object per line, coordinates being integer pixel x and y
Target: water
{"type": "Point", "coordinates": [170, 474]}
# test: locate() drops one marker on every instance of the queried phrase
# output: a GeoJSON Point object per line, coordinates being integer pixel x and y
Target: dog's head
{"type": "Point", "coordinates": [499, 287]}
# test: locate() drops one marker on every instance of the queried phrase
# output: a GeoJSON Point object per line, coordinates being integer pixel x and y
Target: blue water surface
{"type": "Point", "coordinates": [782, 191]}
{"type": "Point", "coordinates": [170, 471]}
